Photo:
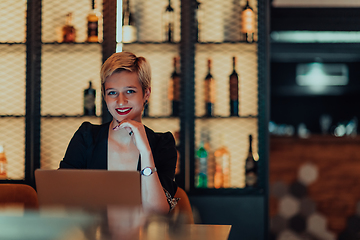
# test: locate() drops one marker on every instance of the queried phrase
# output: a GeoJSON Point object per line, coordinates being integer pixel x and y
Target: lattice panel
{"type": "Point", "coordinates": [232, 133]}
{"type": "Point", "coordinates": [56, 134]}
{"type": "Point", "coordinates": [12, 132]}
{"type": "Point", "coordinates": [219, 20]}
{"type": "Point", "coordinates": [160, 57]}
{"type": "Point", "coordinates": [13, 19]}
{"type": "Point", "coordinates": [54, 16]}
{"type": "Point", "coordinates": [66, 72]}
{"type": "Point", "coordinates": [162, 125]}
{"type": "Point", "coordinates": [148, 15]}
{"type": "Point", "coordinates": [12, 79]}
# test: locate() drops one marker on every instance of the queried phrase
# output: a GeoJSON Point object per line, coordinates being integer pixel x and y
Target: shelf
{"type": "Point", "coordinates": [226, 191]}
{"type": "Point", "coordinates": [73, 43]}
{"type": "Point", "coordinates": [226, 117]}
{"type": "Point", "coordinates": [69, 116]}
{"type": "Point", "coordinates": [12, 43]}
{"type": "Point", "coordinates": [150, 42]}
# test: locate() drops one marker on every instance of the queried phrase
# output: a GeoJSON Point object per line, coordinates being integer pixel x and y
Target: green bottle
{"type": "Point", "coordinates": [202, 158]}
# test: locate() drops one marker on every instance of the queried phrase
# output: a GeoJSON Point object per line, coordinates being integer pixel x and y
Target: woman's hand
{"type": "Point", "coordinates": [137, 132]}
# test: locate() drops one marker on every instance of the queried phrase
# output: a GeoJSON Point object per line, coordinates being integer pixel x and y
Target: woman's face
{"type": "Point", "coordinates": [124, 96]}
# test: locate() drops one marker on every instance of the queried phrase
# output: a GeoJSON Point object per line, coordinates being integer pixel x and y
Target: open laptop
{"type": "Point", "coordinates": [88, 188]}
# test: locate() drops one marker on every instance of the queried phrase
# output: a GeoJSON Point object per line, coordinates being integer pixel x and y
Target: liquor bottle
{"type": "Point", "coordinates": [209, 92]}
{"type": "Point", "coordinates": [89, 101]}
{"type": "Point", "coordinates": [69, 32]}
{"type": "Point", "coordinates": [93, 25]}
{"type": "Point", "coordinates": [197, 21]}
{"type": "Point", "coordinates": [234, 91]}
{"type": "Point", "coordinates": [247, 23]}
{"type": "Point", "coordinates": [202, 161]}
{"type": "Point", "coordinates": [129, 32]}
{"type": "Point", "coordinates": [251, 168]}
{"type": "Point", "coordinates": [222, 167]}
{"type": "Point", "coordinates": [174, 90]}
{"type": "Point", "coordinates": [168, 21]}
{"type": "Point", "coordinates": [3, 163]}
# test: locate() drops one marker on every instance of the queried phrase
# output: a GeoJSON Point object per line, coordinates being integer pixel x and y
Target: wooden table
{"type": "Point", "coordinates": [84, 226]}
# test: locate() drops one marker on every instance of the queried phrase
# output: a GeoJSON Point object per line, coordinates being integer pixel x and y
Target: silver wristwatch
{"type": "Point", "coordinates": [147, 171]}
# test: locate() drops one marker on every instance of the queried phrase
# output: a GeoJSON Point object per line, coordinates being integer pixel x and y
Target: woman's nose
{"type": "Point", "coordinates": [122, 99]}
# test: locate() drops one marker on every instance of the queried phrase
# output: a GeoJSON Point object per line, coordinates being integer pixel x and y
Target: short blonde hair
{"type": "Point", "coordinates": [126, 61]}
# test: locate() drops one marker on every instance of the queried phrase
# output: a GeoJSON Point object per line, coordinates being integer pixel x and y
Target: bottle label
{"type": "Point", "coordinates": [234, 88]}
{"type": "Point", "coordinates": [3, 174]}
{"type": "Point", "coordinates": [210, 90]}
{"type": "Point", "coordinates": [248, 21]}
{"type": "Point", "coordinates": [251, 179]}
{"type": "Point", "coordinates": [250, 164]}
{"type": "Point", "coordinates": [89, 102]}
{"type": "Point", "coordinates": [92, 29]}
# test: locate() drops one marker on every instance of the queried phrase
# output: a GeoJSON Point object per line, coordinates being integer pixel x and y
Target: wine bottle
{"type": "Point", "coordinates": [129, 32]}
{"type": "Point", "coordinates": [89, 101]}
{"type": "Point", "coordinates": [234, 91]}
{"type": "Point", "coordinates": [251, 168]}
{"type": "Point", "coordinates": [69, 32]}
{"type": "Point", "coordinates": [209, 92]}
{"type": "Point", "coordinates": [93, 25]}
{"type": "Point", "coordinates": [174, 90]}
{"type": "Point", "coordinates": [3, 163]}
{"type": "Point", "coordinates": [247, 23]}
{"type": "Point", "coordinates": [168, 20]}
{"type": "Point", "coordinates": [222, 167]}
{"type": "Point", "coordinates": [197, 21]}
{"type": "Point", "coordinates": [202, 160]}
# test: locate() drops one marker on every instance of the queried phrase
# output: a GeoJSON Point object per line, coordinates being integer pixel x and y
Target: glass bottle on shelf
{"type": "Point", "coordinates": [3, 163]}
{"type": "Point", "coordinates": [234, 91]}
{"type": "Point", "coordinates": [93, 25]}
{"type": "Point", "coordinates": [251, 168]}
{"type": "Point", "coordinates": [222, 166]}
{"type": "Point", "coordinates": [201, 162]}
{"type": "Point", "coordinates": [209, 92]}
{"type": "Point", "coordinates": [174, 89]}
{"type": "Point", "coordinates": [89, 101]}
{"type": "Point", "coordinates": [129, 32]}
{"type": "Point", "coordinates": [197, 21]}
{"type": "Point", "coordinates": [168, 23]}
{"type": "Point", "coordinates": [68, 30]}
{"type": "Point", "coordinates": [247, 23]}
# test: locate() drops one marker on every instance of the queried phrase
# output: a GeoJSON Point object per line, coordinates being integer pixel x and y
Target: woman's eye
{"type": "Point", "coordinates": [111, 93]}
{"type": "Point", "coordinates": [130, 91]}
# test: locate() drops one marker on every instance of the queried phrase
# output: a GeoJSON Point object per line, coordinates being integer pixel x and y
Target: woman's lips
{"type": "Point", "coordinates": [123, 111]}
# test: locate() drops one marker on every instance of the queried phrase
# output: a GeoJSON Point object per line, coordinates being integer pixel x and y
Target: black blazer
{"type": "Point", "coordinates": [88, 149]}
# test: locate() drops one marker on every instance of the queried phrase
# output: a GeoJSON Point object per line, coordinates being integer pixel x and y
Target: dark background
{"type": "Point", "coordinates": [293, 104]}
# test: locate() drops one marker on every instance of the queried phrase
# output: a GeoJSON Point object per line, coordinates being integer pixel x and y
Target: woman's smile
{"type": "Point", "coordinates": [123, 111]}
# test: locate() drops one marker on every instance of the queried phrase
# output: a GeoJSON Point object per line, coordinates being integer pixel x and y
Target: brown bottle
{"type": "Point", "coordinates": [251, 168]}
{"type": "Point", "coordinates": [68, 30]}
{"type": "Point", "coordinates": [93, 25]}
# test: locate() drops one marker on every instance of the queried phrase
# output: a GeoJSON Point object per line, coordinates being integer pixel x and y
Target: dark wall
{"type": "Point", "coordinates": [292, 104]}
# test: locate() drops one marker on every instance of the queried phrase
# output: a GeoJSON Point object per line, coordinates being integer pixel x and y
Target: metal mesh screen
{"type": "Point", "coordinates": [12, 84]}
{"type": "Point", "coordinates": [149, 17]}
{"type": "Point", "coordinates": [55, 137]}
{"type": "Point", "coordinates": [220, 40]}
{"type": "Point", "coordinates": [66, 71]}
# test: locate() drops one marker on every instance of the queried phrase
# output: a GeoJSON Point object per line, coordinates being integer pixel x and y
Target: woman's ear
{"type": "Point", "coordinates": [147, 94]}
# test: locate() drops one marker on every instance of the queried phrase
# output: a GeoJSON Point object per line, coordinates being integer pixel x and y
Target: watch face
{"type": "Point", "coordinates": [147, 171]}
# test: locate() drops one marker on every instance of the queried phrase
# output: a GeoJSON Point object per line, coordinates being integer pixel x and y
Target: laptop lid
{"type": "Point", "coordinates": [84, 188]}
